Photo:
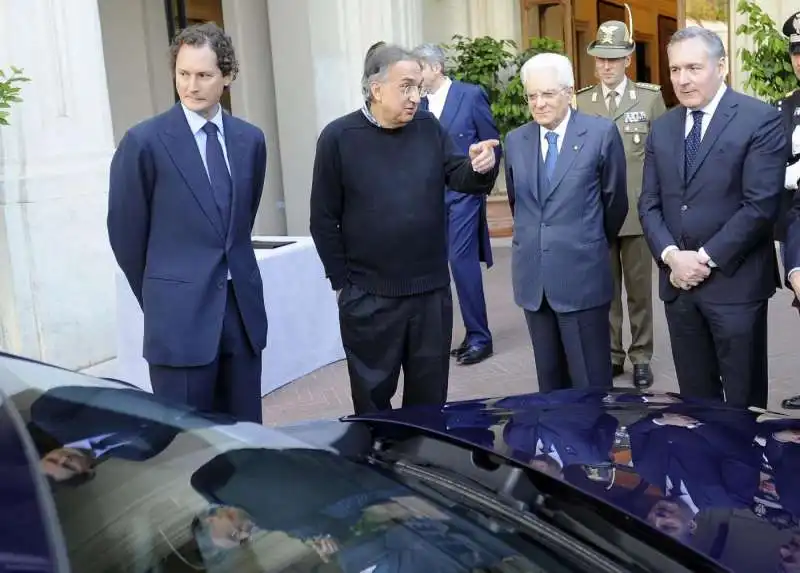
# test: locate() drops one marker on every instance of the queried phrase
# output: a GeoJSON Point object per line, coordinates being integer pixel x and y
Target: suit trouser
{"type": "Point", "coordinates": [463, 236]}
{"type": "Point", "coordinates": [632, 262]}
{"type": "Point", "coordinates": [231, 384]}
{"type": "Point", "coordinates": [383, 334]}
{"type": "Point", "coordinates": [571, 349]}
{"type": "Point", "coordinates": [720, 350]}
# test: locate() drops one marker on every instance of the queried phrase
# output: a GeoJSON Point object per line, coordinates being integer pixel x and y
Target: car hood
{"type": "Point", "coordinates": [720, 480]}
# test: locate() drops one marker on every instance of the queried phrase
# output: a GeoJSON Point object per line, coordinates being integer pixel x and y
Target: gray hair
{"type": "Point", "coordinates": [552, 62]}
{"type": "Point", "coordinates": [712, 42]}
{"type": "Point", "coordinates": [377, 65]}
{"type": "Point", "coordinates": [431, 54]}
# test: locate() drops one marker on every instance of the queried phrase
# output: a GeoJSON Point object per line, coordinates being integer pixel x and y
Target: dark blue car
{"type": "Point", "coordinates": [100, 477]}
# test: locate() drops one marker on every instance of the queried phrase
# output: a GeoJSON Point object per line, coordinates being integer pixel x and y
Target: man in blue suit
{"type": "Point", "coordinates": [463, 110]}
{"type": "Point", "coordinates": [711, 193]}
{"type": "Point", "coordinates": [184, 192]}
{"type": "Point", "coordinates": [566, 180]}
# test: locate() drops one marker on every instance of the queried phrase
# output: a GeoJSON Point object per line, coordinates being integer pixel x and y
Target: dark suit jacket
{"type": "Point", "coordinates": [167, 236]}
{"type": "Point", "coordinates": [727, 204]}
{"type": "Point", "coordinates": [561, 241]}
{"type": "Point", "coordinates": [467, 117]}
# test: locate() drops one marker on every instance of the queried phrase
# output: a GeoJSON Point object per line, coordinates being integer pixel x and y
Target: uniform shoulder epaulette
{"type": "Point", "coordinates": [586, 89]}
{"type": "Point", "coordinates": [651, 87]}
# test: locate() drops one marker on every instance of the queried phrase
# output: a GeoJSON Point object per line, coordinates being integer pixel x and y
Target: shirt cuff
{"type": "Point", "coordinates": [666, 251]}
{"type": "Point", "coordinates": [703, 252]}
{"type": "Point", "coordinates": [791, 272]}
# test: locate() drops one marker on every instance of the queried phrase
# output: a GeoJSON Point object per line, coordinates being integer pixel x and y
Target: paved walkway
{"type": "Point", "coordinates": [326, 394]}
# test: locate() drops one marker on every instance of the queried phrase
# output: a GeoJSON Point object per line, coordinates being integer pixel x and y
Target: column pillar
{"type": "Point", "coordinates": [318, 49]}
{"type": "Point", "coordinates": [56, 267]}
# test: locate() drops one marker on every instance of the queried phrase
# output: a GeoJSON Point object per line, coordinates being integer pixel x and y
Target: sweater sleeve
{"type": "Point", "coordinates": [327, 198]}
{"type": "Point", "coordinates": [458, 172]}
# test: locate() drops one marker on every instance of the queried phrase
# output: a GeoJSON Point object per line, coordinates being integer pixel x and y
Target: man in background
{"type": "Point", "coordinates": [565, 174]}
{"type": "Point", "coordinates": [632, 106]}
{"type": "Point", "coordinates": [463, 110]}
{"type": "Point", "coordinates": [378, 222]}
{"type": "Point", "coordinates": [184, 191]}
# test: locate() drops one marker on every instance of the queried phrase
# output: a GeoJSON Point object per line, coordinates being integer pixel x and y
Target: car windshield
{"type": "Point", "coordinates": [142, 486]}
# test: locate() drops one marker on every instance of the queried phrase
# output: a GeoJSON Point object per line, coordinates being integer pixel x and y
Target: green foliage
{"type": "Point", "coordinates": [768, 65]}
{"type": "Point", "coordinates": [9, 91]}
{"type": "Point", "coordinates": [708, 10]}
{"type": "Point", "coordinates": [494, 65]}
{"type": "Point", "coordinates": [480, 61]}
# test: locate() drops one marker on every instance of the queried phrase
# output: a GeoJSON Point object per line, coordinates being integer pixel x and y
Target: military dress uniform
{"type": "Point", "coordinates": [632, 106]}
{"type": "Point", "coordinates": [789, 107]}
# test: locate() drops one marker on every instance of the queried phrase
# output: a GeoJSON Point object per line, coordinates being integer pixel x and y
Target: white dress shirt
{"type": "Point", "coordinates": [708, 113]}
{"type": "Point", "coordinates": [561, 130]}
{"type": "Point", "coordinates": [436, 100]}
{"type": "Point", "coordinates": [196, 123]}
{"type": "Point", "coordinates": [620, 89]}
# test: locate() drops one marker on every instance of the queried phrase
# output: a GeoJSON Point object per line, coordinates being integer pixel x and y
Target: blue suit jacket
{"type": "Point", "coordinates": [467, 117]}
{"type": "Point", "coordinates": [561, 234]}
{"type": "Point", "coordinates": [167, 236]}
{"type": "Point", "coordinates": [728, 202]}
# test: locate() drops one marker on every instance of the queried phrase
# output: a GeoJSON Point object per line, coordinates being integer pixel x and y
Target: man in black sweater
{"type": "Point", "coordinates": [379, 224]}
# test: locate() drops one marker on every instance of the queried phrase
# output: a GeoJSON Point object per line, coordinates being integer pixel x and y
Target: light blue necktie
{"type": "Point", "coordinates": [552, 154]}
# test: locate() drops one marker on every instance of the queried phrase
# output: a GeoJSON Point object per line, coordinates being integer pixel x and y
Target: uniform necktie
{"type": "Point", "coordinates": [612, 103]}
{"type": "Point", "coordinates": [692, 141]}
{"type": "Point", "coordinates": [218, 173]}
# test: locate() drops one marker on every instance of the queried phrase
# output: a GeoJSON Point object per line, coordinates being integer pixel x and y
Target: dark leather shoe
{"type": "Point", "coordinates": [792, 403]}
{"type": "Point", "coordinates": [460, 349]}
{"type": "Point", "coordinates": [642, 376]}
{"type": "Point", "coordinates": [617, 370]}
{"type": "Point", "coordinates": [475, 354]}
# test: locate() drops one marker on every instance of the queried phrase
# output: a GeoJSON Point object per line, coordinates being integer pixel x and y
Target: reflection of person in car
{"type": "Point", "coordinates": [346, 512]}
{"type": "Point", "coordinates": [673, 517]}
{"type": "Point", "coordinates": [220, 528]}
{"type": "Point", "coordinates": [790, 555]}
{"type": "Point", "coordinates": [75, 428]}
{"type": "Point", "coordinates": [68, 466]}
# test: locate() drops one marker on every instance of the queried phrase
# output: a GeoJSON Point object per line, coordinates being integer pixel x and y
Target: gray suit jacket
{"type": "Point", "coordinates": [562, 231]}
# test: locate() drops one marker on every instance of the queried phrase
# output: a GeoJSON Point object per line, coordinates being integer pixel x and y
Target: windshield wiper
{"type": "Point", "coordinates": [548, 535]}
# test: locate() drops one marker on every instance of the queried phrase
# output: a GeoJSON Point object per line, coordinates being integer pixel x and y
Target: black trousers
{"type": "Point", "coordinates": [382, 334]}
{"type": "Point", "coordinates": [572, 349]}
{"type": "Point", "coordinates": [231, 384]}
{"type": "Point", "coordinates": [720, 350]}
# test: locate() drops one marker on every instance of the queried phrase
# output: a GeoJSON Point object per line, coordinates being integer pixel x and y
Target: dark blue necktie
{"type": "Point", "coordinates": [552, 154]}
{"type": "Point", "coordinates": [692, 141]}
{"type": "Point", "coordinates": [218, 173]}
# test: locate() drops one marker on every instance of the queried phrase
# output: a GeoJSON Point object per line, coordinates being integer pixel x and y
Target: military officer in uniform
{"type": "Point", "coordinates": [632, 106]}
{"type": "Point", "coordinates": [790, 110]}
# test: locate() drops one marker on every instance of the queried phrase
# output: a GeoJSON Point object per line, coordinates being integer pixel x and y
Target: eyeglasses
{"type": "Point", "coordinates": [411, 91]}
{"type": "Point", "coordinates": [548, 96]}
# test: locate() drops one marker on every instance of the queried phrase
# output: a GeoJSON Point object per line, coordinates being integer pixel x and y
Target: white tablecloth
{"type": "Point", "coordinates": [301, 310]}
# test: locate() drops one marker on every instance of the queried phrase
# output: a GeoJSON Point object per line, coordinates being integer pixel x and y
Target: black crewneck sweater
{"type": "Point", "coordinates": [378, 203]}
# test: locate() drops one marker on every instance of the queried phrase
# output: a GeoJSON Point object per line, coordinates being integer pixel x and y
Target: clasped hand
{"type": "Point", "coordinates": [688, 269]}
{"type": "Point", "coordinates": [482, 155]}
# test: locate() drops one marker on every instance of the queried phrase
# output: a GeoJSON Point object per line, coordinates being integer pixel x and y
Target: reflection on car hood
{"type": "Point", "coordinates": [720, 480]}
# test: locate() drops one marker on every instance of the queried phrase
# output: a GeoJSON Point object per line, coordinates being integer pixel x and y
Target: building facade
{"type": "Point", "coordinates": [99, 66]}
